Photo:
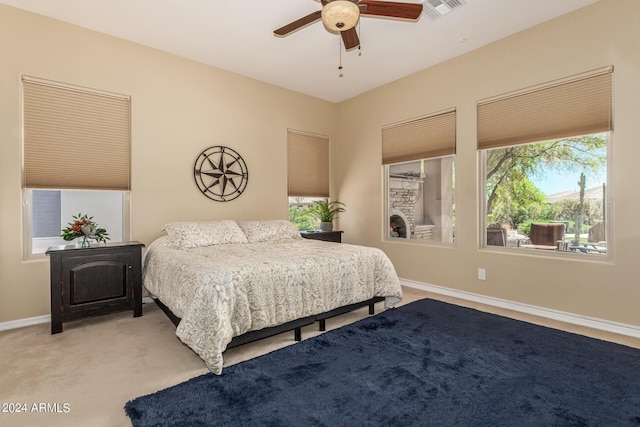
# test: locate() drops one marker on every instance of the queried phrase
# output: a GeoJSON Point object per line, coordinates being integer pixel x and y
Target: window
{"type": "Point", "coordinates": [76, 160]}
{"type": "Point", "coordinates": [51, 210]}
{"type": "Point", "coordinates": [418, 158]}
{"type": "Point", "coordinates": [308, 175]}
{"type": "Point", "coordinates": [543, 154]}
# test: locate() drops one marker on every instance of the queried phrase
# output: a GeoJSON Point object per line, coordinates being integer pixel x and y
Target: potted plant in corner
{"type": "Point", "coordinates": [325, 211]}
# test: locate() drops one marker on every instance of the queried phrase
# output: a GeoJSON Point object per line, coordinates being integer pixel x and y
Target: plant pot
{"type": "Point", "coordinates": [326, 226]}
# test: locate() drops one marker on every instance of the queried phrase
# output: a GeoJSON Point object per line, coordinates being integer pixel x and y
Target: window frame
{"type": "Point", "coordinates": [569, 107]}
{"type": "Point", "coordinates": [387, 208]}
{"type": "Point", "coordinates": [27, 218]}
{"type": "Point", "coordinates": [573, 255]}
{"type": "Point", "coordinates": [97, 120]}
{"type": "Point", "coordinates": [428, 137]}
{"type": "Point", "coordinates": [307, 152]}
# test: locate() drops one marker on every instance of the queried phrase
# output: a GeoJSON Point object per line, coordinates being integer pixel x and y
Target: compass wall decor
{"type": "Point", "coordinates": [221, 173]}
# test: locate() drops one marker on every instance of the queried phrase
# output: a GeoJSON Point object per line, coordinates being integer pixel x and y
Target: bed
{"type": "Point", "coordinates": [225, 280]}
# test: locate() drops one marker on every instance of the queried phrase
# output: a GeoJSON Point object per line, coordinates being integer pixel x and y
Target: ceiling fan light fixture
{"type": "Point", "coordinates": [340, 15]}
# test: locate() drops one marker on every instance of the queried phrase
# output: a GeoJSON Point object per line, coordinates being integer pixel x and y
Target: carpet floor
{"type": "Point", "coordinates": [424, 363]}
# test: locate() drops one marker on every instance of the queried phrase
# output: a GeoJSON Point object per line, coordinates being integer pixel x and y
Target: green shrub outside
{"type": "Point", "coordinates": [302, 218]}
{"type": "Point", "coordinates": [565, 211]}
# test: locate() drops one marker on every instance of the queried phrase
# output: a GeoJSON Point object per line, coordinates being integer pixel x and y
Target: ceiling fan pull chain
{"type": "Point", "coordinates": [359, 38]}
{"type": "Point", "coordinates": [340, 56]}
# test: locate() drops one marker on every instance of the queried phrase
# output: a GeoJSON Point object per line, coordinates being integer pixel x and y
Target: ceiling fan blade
{"type": "Point", "coordinates": [350, 39]}
{"type": "Point", "coordinates": [324, 2]}
{"type": "Point", "coordinates": [298, 24]}
{"type": "Point", "coordinates": [391, 9]}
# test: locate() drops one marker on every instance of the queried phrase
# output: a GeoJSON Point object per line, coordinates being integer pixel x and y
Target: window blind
{"type": "Point", "coordinates": [75, 138]}
{"type": "Point", "coordinates": [424, 138]}
{"type": "Point", "coordinates": [575, 106]}
{"type": "Point", "coordinates": [307, 164]}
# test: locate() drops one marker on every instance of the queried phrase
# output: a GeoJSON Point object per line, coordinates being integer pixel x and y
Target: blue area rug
{"type": "Point", "coordinates": [427, 363]}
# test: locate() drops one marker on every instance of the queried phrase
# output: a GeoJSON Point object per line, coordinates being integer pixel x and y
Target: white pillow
{"type": "Point", "coordinates": [269, 230]}
{"type": "Point", "coordinates": [192, 234]}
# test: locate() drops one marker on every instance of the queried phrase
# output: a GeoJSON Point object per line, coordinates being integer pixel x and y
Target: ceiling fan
{"type": "Point", "coordinates": [343, 15]}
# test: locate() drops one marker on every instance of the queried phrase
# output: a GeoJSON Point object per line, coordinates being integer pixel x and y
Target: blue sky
{"type": "Point", "coordinates": [556, 182]}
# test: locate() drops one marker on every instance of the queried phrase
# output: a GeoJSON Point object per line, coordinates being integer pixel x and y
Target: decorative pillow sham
{"type": "Point", "coordinates": [192, 234]}
{"type": "Point", "coordinates": [269, 230]}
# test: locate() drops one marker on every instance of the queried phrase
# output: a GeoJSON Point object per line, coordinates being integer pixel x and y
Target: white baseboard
{"type": "Point", "coordinates": [21, 323]}
{"type": "Point", "coordinates": [575, 319]}
{"type": "Point", "coordinates": [30, 321]}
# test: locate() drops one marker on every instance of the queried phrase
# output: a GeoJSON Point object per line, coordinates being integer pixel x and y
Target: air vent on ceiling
{"type": "Point", "coordinates": [435, 9]}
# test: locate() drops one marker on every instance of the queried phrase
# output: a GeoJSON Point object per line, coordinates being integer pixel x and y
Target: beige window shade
{"type": "Point", "coordinates": [424, 138]}
{"type": "Point", "coordinates": [572, 107]}
{"type": "Point", "coordinates": [308, 164]}
{"type": "Point", "coordinates": [75, 138]}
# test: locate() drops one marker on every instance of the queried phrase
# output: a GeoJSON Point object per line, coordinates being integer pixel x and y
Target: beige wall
{"type": "Point", "coordinates": [603, 34]}
{"type": "Point", "coordinates": [179, 108]}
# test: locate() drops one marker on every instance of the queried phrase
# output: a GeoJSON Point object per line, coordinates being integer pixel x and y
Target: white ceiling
{"type": "Point", "coordinates": [237, 35]}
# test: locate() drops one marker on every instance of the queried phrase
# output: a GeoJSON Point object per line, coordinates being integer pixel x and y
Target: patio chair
{"type": "Point", "coordinates": [545, 236]}
{"type": "Point", "coordinates": [597, 233]}
{"type": "Point", "coordinates": [496, 236]}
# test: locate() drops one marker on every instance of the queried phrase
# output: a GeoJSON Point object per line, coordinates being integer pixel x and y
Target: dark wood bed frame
{"type": "Point", "coordinates": [294, 325]}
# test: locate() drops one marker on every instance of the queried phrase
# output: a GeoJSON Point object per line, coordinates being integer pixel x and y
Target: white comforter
{"type": "Point", "coordinates": [222, 291]}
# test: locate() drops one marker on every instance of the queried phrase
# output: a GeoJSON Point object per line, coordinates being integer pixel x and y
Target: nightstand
{"type": "Point", "coordinates": [327, 236]}
{"type": "Point", "coordinates": [94, 281]}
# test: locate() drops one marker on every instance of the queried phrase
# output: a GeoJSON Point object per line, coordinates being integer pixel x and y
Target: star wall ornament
{"type": "Point", "coordinates": [221, 173]}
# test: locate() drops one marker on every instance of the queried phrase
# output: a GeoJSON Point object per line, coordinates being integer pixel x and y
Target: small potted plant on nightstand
{"type": "Point", "coordinates": [325, 211]}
